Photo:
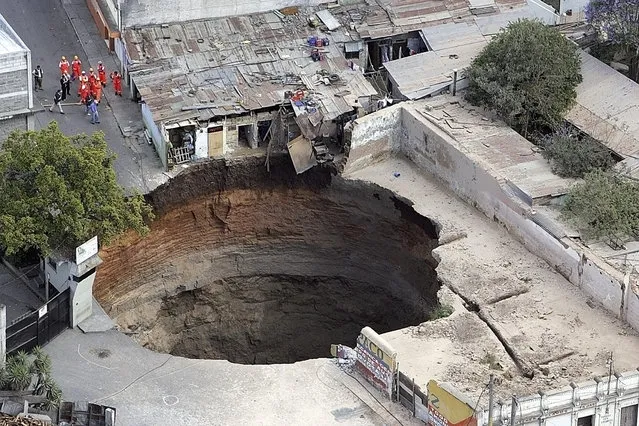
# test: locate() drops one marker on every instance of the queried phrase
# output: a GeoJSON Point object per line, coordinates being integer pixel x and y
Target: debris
{"type": "Point", "coordinates": [396, 174]}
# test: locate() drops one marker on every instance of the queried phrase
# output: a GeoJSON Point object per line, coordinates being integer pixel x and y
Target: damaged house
{"type": "Point", "coordinates": [231, 85]}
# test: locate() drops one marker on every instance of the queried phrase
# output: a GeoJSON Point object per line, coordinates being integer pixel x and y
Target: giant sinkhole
{"type": "Point", "coordinates": [261, 267]}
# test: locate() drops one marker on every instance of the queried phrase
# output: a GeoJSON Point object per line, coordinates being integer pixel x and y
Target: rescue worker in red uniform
{"type": "Point", "coordinates": [63, 65]}
{"type": "Point", "coordinates": [102, 74]}
{"type": "Point", "coordinates": [76, 68]}
{"type": "Point", "coordinates": [84, 90]}
{"type": "Point", "coordinates": [117, 82]}
{"type": "Point", "coordinates": [83, 84]}
{"type": "Point", "coordinates": [96, 89]}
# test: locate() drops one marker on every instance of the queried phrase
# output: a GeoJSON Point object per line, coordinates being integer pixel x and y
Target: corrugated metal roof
{"type": "Point", "coordinates": [453, 34]}
{"type": "Point", "coordinates": [492, 24]}
{"type": "Point", "coordinates": [607, 106]}
{"type": "Point", "coordinates": [386, 18]}
{"type": "Point", "coordinates": [420, 75]}
{"type": "Point", "coordinates": [234, 65]}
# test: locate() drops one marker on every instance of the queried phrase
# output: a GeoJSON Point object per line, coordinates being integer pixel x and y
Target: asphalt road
{"type": "Point", "coordinates": [46, 29]}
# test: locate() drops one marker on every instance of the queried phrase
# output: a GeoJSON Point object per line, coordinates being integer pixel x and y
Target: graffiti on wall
{"type": "Point", "coordinates": [445, 409]}
{"type": "Point", "coordinates": [376, 360]}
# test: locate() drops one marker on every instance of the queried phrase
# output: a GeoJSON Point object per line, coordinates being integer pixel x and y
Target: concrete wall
{"type": "Point", "coordinates": [7, 125]}
{"type": "Point", "coordinates": [14, 83]}
{"type": "Point", "coordinates": [146, 12]}
{"type": "Point", "coordinates": [399, 130]}
{"type": "Point", "coordinates": [63, 276]}
{"type": "Point", "coordinates": [374, 136]}
{"type": "Point", "coordinates": [158, 140]}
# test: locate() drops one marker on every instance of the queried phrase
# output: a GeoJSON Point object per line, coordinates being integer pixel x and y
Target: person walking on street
{"type": "Point", "coordinates": [95, 117]}
{"type": "Point", "coordinates": [76, 68]}
{"type": "Point", "coordinates": [65, 85]}
{"type": "Point", "coordinates": [37, 77]}
{"type": "Point", "coordinates": [64, 65]}
{"type": "Point", "coordinates": [102, 74]}
{"type": "Point", "coordinates": [57, 101]}
{"type": "Point", "coordinates": [117, 82]}
{"type": "Point", "coordinates": [87, 102]}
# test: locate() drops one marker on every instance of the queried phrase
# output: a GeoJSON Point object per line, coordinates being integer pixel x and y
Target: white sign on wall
{"type": "Point", "coordinates": [86, 250]}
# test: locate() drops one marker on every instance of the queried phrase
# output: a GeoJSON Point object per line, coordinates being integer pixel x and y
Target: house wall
{"type": "Point", "coordinates": [16, 122]}
{"type": "Point", "coordinates": [201, 143]}
{"type": "Point", "coordinates": [158, 139]}
{"type": "Point", "coordinates": [577, 7]}
{"type": "Point", "coordinates": [62, 277]}
{"type": "Point", "coordinates": [146, 12]}
{"type": "Point", "coordinates": [386, 131]}
{"type": "Point", "coordinates": [374, 137]}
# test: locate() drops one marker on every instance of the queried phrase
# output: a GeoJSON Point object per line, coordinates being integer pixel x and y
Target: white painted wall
{"type": "Point", "coordinates": [201, 144]}
{"type": "Point", "coordinates": [82, 299]}
{"type": "Point", "coordinates": [577, 7]}
{"type": "Point", "coordinates": [146, 12]}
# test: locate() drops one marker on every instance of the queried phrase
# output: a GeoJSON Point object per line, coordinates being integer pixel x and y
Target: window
{"type": "Point", "coordinates": [584, 421]}
{"type": "Point", "coordinates": [629, 416]}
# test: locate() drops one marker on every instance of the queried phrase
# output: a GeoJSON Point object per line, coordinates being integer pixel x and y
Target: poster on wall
{"type": "Point", "coordinates": [86, 250]}
{"type": "Point", "coordinates": [376, 360]}
{"type": "Point", "coordinates": [445, 409]}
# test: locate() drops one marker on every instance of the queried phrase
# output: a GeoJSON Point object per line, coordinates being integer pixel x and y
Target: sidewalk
{"type": "Point", "coordinates": [126, 112]}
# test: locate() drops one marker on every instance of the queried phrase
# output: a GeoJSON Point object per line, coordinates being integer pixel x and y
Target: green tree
{"type": "Point", "coordinates": [573, 156]}
{"type": "Point", "coordinates": [57, 192]}
{"type": "Point", "coordinates": [604, 205]}
{"type": "Point", "coordinates": [617, 23]}
{"type": "Point", "coordinates": [527, 74]}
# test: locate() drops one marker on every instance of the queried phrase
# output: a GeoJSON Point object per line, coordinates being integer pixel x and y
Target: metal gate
{"type": "Point", "coordinates": [40, 327]}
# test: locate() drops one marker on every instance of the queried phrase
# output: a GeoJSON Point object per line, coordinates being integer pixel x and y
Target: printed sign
{"type": "Point", "coordinates": [86, 250]}
{"type": "Point", "coordinates": [376, 360]}
{"type": "Point", "coordinates": [445, 409]}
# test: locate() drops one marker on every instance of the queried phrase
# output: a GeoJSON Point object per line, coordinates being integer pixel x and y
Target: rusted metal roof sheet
{"type": "Point", "coordinates": [234, 65]}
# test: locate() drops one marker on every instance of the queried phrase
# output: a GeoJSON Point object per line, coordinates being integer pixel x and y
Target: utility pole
{"type": "Point", "coordinates": [513, 410]}
{"type": "Point", "coordinates": [491, 400]}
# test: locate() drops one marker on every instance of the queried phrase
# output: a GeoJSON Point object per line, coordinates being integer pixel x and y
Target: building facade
{"type": "Point", "coordinates": [16, 95]}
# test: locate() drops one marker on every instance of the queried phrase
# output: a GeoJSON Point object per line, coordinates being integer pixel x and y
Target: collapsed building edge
{"type": "Point", "coordinates": [400, 130]}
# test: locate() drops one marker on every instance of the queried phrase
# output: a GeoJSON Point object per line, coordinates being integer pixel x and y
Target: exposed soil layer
{"type": "Point", "coordinates": [258, 267]}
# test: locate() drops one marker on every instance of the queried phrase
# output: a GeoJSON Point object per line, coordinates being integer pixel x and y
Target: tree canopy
{"type": "Point", "coordinates": [573, 156]}
{"type": "Point", "coordinates": [57, 192]}
{"type": "Point", "coordinates": [617, 22]}
{"type": "Point", "coordinates": [604, 205]}
{"type": "Point", "coordinates": [527, 74]}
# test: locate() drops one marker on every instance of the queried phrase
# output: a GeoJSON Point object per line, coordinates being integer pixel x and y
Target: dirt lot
{"type": "Point", "coordinates": [523, 319]}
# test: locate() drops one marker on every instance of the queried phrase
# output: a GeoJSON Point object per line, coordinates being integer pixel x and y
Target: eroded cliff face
{"type": "Point", "coordinates": [258, 267]}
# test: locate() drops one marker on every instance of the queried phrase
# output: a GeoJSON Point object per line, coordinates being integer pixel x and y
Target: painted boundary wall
{"type": "Point", "coordinates": [400, 130]}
